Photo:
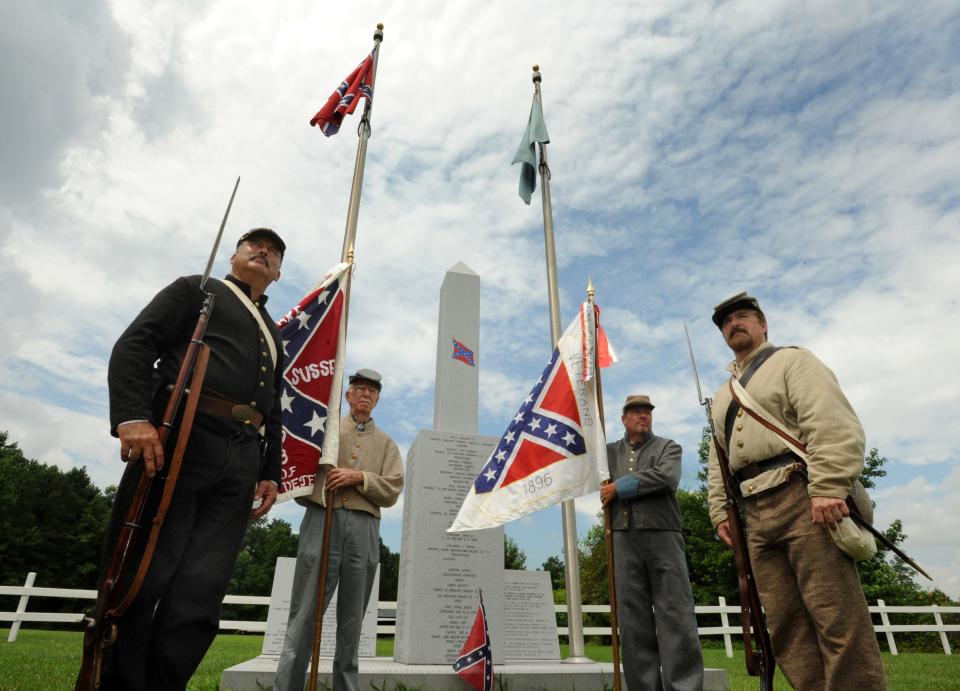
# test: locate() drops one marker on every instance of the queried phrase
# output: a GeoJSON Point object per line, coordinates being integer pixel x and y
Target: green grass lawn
{"type": "Point", "coordinates": [48, 660]}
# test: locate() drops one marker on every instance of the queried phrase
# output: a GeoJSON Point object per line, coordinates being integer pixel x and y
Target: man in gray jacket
{"type": "Point", "coordinates": [658, 625]}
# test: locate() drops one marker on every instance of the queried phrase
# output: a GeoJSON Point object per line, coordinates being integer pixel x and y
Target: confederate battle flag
{"type": "Point", "coordinates": [475, 663]}
{"type": "Point", "coordinates": [554, 448]}
{"type": "Point", "coordinates": [313, 338]}
{"type": "Point", "coordinates": [345, 99]}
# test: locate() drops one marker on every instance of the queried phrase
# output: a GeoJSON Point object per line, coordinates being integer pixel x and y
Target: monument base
{"type": "Point", "coordinates": [382, 672]}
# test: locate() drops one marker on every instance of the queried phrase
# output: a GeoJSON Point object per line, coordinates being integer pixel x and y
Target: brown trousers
{"type": "Point", "coordinates": [820, 626]}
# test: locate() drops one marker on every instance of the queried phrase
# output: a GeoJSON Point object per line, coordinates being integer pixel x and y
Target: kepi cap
{"type": "Point", "coordinates": [737, 302]}
{"type": "Point", "coordinates": [268, 233]}
{"type": "Point", "coordinates": [637, 400]}
{"type": "Point", "coordinates": [370, 376]}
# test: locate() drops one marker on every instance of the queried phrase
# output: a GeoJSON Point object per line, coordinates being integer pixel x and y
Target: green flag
{"type": "Point", "coordinates": [527, 153]}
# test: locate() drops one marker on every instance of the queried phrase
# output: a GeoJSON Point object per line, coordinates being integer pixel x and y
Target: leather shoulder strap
{"type": "Point", "coordinates": [745, 378]}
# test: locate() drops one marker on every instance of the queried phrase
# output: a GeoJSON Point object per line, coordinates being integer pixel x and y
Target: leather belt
{"type": "Point", "coordinates": [748, 472]}
{"type": "Point", "coordinates": [231, 410]}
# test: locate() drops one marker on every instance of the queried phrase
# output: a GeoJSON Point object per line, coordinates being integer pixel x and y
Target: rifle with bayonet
{"type": "Point", "coordinates": [760, 662]}
{"type": "Point", "coordinates": [117, 591]}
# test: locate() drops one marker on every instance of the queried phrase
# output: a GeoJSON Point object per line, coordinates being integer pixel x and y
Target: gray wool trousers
{"type": "Point", "coordinates": [354, 555]}
{"type": "Point", "coordinates": [658, 626]}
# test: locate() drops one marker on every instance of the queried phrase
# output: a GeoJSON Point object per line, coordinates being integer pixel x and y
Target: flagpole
{"type": "Point", "coordinates": [568, 510]}
{"type": "Point", "coordinates": [346, 255]}
{"type": "Point", "coordinates": [607, 509]}
{"type": "Point", "coordinates": [363, 132]}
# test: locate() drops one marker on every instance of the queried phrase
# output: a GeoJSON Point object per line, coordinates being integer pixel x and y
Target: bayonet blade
{"type": "Point", "coordinates": [216, 243]}
{"type": "Point", "coordinates": [693, 362]}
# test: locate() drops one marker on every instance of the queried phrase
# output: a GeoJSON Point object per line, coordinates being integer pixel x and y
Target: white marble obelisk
{"type": "Point", "coordinates": [442, 573]}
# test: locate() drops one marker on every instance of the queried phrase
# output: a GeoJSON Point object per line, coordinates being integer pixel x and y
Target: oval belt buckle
{"type": "Point", "coordinates": [243, 413]}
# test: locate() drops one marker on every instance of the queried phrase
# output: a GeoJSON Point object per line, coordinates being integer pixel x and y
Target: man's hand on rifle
{"type": "Point", "coordinates": [828, 510]}
{"type": "Point", "coordinates": [139, 440]}
{"type": "Point", "coordinates": [267, 494]}
{"type": "Point", "coordinates": [723, 532]}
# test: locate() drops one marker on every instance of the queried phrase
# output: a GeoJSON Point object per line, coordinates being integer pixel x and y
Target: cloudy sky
{"type": "Point", "coordinates": [807, 152]}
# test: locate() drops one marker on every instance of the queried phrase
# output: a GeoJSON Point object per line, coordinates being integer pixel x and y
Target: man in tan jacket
{"type": "Point", "coordinates": [822, 634]}
{"type": "Point", "coordinates": [368, 476]}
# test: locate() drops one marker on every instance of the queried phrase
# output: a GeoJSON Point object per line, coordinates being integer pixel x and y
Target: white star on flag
{"type": "Point", "coordinates": [316, 423]}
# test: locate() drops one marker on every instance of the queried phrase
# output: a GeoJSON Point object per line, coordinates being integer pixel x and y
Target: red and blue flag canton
{"type": "Point", "coordinates": [546, 429]}
{"type": "Point", "coordinates": [475, 663]}
{"type": "Point", "coordinates": [345, 99]}
{"type": "Point", "coordinates": [462, 353]}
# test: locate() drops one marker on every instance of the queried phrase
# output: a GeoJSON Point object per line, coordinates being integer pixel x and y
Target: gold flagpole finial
{"type": "Point", "coordinates": [591, 291]}
{"type": "Point", "coordinates": [378, 34]}
{"type": "Point", "coordinates": [536, 73]}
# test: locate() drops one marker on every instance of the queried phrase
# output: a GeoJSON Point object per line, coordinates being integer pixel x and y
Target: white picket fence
{"type": "Point", "coordinates": [386, 621]}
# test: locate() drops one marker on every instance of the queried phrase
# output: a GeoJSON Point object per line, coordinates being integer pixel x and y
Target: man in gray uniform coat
{"type": "Point", "coordinates": [368, 476]}
{"type": "Point", "coordinates": [658, 625]}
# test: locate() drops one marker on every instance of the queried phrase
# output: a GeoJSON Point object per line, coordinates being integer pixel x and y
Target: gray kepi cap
{"type": "Point", "coordinates": [740, 301]}
{"type": "Point", "coordinates": [637, 400]}
{"type": "Point", "coordinates": [367, 376]}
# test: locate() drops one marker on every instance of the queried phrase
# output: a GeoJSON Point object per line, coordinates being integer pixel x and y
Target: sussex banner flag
{"type": "Point", "coordinates": [345, 99]}
{"type": "Point", "coordinates": [313, 343]}
{"type": "Point", "coordinates": [475, 663]}
{"type": "Point", "coordinates": [554, 449]}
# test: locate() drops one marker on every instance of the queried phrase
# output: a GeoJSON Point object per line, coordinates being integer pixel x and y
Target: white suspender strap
{"type": "Point", "coordinates": [252, 308]}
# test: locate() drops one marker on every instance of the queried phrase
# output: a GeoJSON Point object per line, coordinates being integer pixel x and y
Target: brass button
{"type": "Point", "coordinates": [253, 404]}
{"type": "Point", "coordinates": [263, 368]}
{"type": "Point", "coordinates": [740, 413]}
{"type": "Point", "coordinates": [247, 422]}
{"type": "Point", "coordinates": [262, 384]}
{"type": "Point", "coordinates": [739, 443]}
{"type": "Point", "coordinates": [357, 445]}
{"type": "Point", "coordinates": [353, 456]}
{"type": "Point", "coordinates": [257, 304]}
{"type": "Point", "coordinates": [750, 488]}
{"type": "Point", "coordinates": [739, 428]}
{"type": "Point", "coordinates": [264, 354]}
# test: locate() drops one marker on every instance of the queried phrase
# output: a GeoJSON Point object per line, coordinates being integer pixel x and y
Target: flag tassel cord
{"type": "Point", "coordinates": [347, 255]}
{"type": "Point", "coordinates": [568, 510]}
{"type": "Point", "coordinates": [607, 509]}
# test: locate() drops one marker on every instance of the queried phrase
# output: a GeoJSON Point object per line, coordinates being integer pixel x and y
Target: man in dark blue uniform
{"type": "Point", "coordinates": [232, 461]}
